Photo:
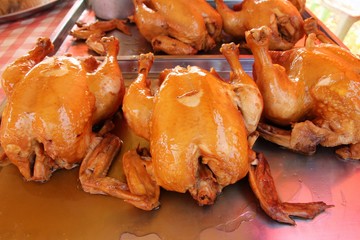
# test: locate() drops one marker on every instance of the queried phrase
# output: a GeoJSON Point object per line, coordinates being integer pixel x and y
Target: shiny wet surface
{"type": "Point", "coordinates": [59, 209]}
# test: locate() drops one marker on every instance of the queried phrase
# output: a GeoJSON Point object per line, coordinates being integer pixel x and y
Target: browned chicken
{"type": "Point", "coordinates": [280, 16]}
{"type": "Point", "coordinates": [201, 130]}
{"type": "Point", "coordinates": [93, 32]}
{"type": "Point", "coordinates": [16, 71]}
{"type": "Point", "coordinates": [51, 109]}
{"type": "Point", "coordinates": [314, 89]}
{"type": "Point", "coordinates": [178, 26]}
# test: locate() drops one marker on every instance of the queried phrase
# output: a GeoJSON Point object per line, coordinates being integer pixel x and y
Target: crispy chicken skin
{"type": "Point", "coordinates": [315, 89]}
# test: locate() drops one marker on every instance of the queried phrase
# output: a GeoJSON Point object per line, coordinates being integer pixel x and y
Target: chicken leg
{"type": "Point", "coordinates": [17, 70]}
{"type": "Point", "coordinates": [281, 16]}
{"type": "Point", "coordinates": [106, 82]}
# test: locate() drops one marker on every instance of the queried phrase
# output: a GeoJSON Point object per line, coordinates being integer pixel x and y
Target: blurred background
{"type": "Point", "coordinates": [328, 12]}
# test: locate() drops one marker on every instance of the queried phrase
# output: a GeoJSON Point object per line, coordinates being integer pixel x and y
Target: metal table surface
{"type": "Point", "coordinates": [59, 209]}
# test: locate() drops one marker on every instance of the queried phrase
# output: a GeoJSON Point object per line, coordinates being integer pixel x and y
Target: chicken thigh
{"type": "Point", "coordinates": [314, 89]}
{"type": "Point", "coordinates": [178, 26]}
{"type": "Point", "coordinates": [281, 16]}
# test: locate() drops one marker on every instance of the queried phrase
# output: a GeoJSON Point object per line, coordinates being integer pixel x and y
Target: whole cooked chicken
{"type": "Point", "coordinates": [314, 89]}
{"type": "Point", "coordinates": [281, 16]}
{"type": "Point", "coordinates": [52, 106]}
{"type": "Point", "coordinates": [178, 27]}
{"type": "Point", "coordinates": [201, 130]}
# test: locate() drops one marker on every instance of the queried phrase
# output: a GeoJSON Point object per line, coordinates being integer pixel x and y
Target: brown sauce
{"type": "Point", "coordinates": [59, 209]}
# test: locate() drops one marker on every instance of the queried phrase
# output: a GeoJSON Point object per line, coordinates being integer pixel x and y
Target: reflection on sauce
{"type": "Point", "coordinates": [59, 209]}
{"type": "Point", "coordinates": [233, 224]}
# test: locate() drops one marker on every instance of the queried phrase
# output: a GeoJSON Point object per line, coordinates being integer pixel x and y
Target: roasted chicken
{"type": "Point", "coordinates": [281, 16]}
{"type": "Point", "coordinates": [314, 90]}
{"type": "Point", "coordinates": [52, 106]}
{"type": "Point", "coordinates": [201, 130]}
{"type": "Point", "coordinates": [178, 26]}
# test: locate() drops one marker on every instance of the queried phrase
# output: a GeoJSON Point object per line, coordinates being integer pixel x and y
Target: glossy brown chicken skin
{"type": "Point", "coordinates": [281, 16]}
{"type": "Point", "coordinates": [48, 118]}
{"type": "Point", "coordinates": [210, 129]}
{"type": "Point", "coordinates": [105, 81]}
{"type": "Point", "coordinates": [179, 26]}
{"type": "Point", "coordinates": [315, 89]}
{"type": "Point", "coordinates": [16, 70]}
{"type": "Point", "coordinates": [201, 131]}
{"type": "Point", "coordinates": [198, 137]}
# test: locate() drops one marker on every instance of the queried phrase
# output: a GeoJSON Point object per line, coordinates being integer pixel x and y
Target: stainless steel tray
{"type": "Point", "coordinates": [59, 209]}
{"type": "Point", "coordinates": [132, 46]}
{"type": "Point", "coordinates": [136, 44]}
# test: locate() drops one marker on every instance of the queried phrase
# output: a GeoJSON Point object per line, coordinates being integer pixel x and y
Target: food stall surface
{"type": "Point", "coordinates": [60, 209]}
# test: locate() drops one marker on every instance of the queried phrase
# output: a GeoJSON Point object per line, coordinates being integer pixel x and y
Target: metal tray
{"type": "Point", "coordinates": [135, 44]}
{"type": "Point", "coordinates": [59, 209]}
{"type": "Point", "coordinates": [132, 46]}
